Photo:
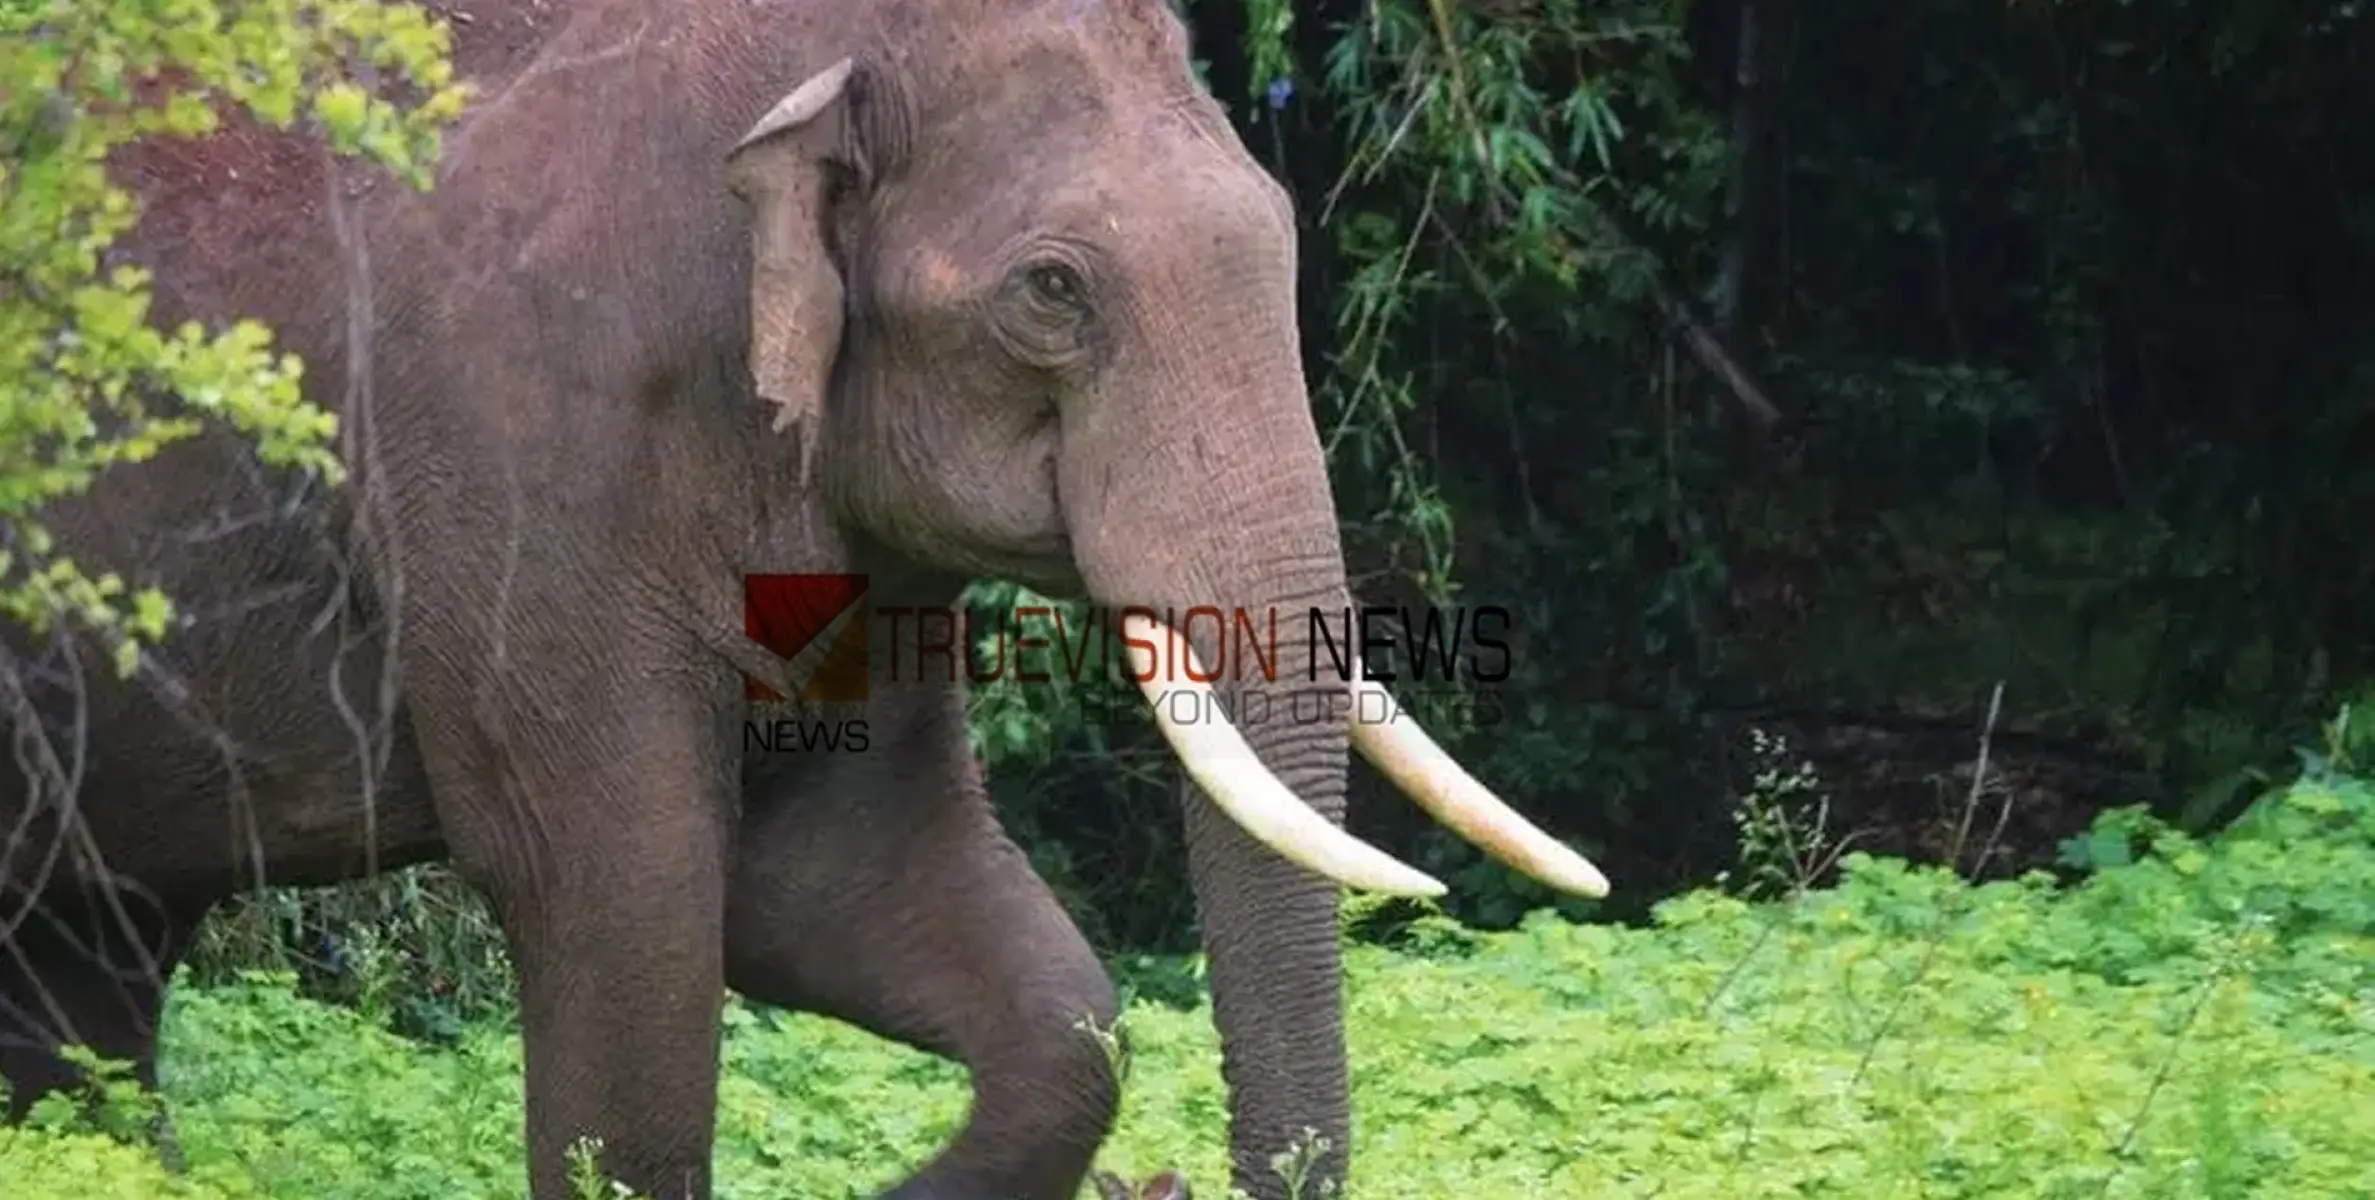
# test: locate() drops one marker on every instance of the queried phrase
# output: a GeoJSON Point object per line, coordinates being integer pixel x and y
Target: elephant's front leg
{"type": "Point", "coordinates": [877, 887]}
{"type": "Point", "coordinates": [600, 832]}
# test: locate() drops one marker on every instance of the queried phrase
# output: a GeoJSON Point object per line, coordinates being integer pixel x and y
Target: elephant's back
{"type": "Point", "coordinates": [237, 224]}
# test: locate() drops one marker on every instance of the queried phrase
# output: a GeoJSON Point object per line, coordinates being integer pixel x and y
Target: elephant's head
{"type": "Point", "coordinates": [1034, 304]}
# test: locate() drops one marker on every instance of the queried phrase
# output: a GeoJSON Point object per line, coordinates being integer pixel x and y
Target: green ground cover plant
{"type": "Point", "coordinates": [2192, 1017]}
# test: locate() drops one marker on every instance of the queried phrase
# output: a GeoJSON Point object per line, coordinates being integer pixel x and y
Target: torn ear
{"type": "Point", "coordinates": [784, 169]}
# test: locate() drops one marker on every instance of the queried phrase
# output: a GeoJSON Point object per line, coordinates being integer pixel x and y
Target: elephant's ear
{"type": "Point", "coordinates": [783, 168]}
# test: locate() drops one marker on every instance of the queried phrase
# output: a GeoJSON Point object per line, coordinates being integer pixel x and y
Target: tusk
{"type": "Point", "coordinates": [1218, 759]}
{"type": "Point", "coordinates": [1436, 782]}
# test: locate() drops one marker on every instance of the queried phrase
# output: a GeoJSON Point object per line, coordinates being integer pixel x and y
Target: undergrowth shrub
{"type": "Point", "coordinates": [415, 950]}
{"type": "Point", "coordinates": [2195, 1017]}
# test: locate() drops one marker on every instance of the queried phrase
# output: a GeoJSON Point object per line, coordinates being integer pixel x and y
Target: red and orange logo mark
{"type": "Point", "coordinates": [817, 623]}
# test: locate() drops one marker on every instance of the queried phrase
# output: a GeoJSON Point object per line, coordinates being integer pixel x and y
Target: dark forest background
{"type": "Point", "coordinates": [1797, 374]}
{"type": "Point", "coordinates": [1806, 371]}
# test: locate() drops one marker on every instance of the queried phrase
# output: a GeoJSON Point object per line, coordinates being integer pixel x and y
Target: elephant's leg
{"type": "Point", "coordinates": [92, 971]}
{"type": "Point", "coordinates": [601, 840]}
{"type": "Point", "coordinates": [877, 887]}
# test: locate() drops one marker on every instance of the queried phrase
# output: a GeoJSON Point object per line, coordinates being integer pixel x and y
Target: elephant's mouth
{"type": "Point", "coordinates": [1218, 758]}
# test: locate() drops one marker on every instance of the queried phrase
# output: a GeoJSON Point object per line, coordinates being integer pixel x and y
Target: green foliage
{"type": "Point", "coordinates": [1495, 171]}
{"type": "Point", "coordinates": [1014, 722]}
{"type": "Point", "coordinates": [1783, 822]}
{"type": "Point", "coordinates": [72, 1143]}
{"type": "Point", "coordinates": [87, 1166]}
{"type": "Point", "coordinates": [2195, 1017]}
{"type": "Point", "coordinates": [415, 950]}
{"type": "Point", "coordinates": [86, 382]}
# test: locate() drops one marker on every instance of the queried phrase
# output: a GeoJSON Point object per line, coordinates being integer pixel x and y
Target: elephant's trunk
{"type": "Point", "coordinates": [1238, 517]}
{"type": "Point", "coordinates": [1264, 817]}
{"type": "Point", "coordinates": [1270, 927]}
{"type": "Point", "coordinates": [1193, 477]}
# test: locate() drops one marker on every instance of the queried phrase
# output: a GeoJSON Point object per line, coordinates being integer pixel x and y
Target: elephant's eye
{"type": "Point", "coordinates": [1055, 284]}
{"type": "Point", "coordinates": [1044, 316]}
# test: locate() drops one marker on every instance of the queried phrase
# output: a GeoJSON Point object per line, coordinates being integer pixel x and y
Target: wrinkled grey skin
{"type": "Point", "coordinates": [562, 472]}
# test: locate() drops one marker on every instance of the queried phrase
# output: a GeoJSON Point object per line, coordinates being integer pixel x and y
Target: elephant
{"type": "Point", "coordinates": [924, 290]}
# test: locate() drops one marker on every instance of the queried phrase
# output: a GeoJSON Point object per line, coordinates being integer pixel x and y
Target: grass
{"type": "Point", "coordinates": [2196, 1018]}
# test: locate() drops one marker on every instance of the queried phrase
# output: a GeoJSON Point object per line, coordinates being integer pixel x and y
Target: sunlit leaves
{"type": "Point", "coordinates": [86, 381]}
